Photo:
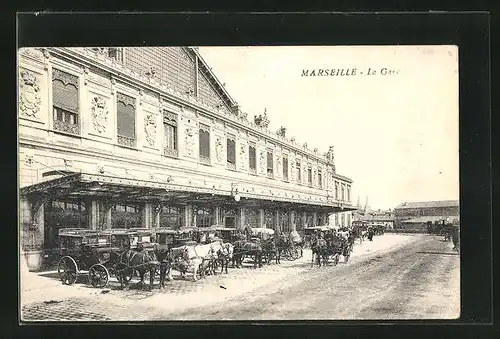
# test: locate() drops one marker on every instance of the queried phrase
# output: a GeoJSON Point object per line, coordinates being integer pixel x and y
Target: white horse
{"type": "Point", "coordinates": [191, 257]}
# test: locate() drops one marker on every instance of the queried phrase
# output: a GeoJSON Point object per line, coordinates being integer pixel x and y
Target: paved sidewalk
{"type": "Point", "coordinates": [43, 297]}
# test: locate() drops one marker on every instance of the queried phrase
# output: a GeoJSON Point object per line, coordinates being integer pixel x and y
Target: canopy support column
{"type": "Point", "coordinates": [93, 214]}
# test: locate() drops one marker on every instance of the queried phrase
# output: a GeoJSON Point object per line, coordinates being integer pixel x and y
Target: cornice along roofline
{"type": "Point", "coordinates": [84, 57]}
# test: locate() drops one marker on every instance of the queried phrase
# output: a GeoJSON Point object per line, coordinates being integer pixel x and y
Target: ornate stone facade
{"type": "Point", "coordinates": [99, 113]}
{"type": "Point", "coordinates": [189, 140]}
{"type": "Point", "coordinates": [29, 94]}
{"type": "Point", "coordinates": [150, 129]}
{"type": "Point", "coordinates": [219, 149]}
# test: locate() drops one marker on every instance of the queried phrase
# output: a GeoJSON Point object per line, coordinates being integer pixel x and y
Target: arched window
{"type": "Point", "coordinates": [203, 217]}
{"type": "Point", "coordinates": [270, 217]}
{"type": "Point", "coordinates": [230, 218]}
{"type": "Point", "coordinates": [231, 153]}
{"type": "Point", "coordinates": [204, 139]}
{"type": "Point", "coordinates": [285, 222]}
{"type": "Point", "coordinates": [252, 218]}
{"type": "Point", "coordinates": [171, 217]}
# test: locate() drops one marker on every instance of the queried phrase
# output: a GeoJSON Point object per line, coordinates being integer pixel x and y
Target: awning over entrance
{"type": "Point", "coordinates": [116, 188]}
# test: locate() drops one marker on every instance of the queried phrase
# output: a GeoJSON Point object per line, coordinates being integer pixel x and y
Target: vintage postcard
{"type": "Point", "coordinates": [238, 183]}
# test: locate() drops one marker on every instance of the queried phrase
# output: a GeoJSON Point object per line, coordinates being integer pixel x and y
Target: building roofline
{"type": "Point", "coordinates": [221, 88]}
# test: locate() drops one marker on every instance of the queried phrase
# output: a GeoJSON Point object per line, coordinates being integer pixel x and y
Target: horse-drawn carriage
{"type": "Point", "coordinates": [85, 250]}
{"type": "Point", "coordinates": [229, 234]}
{"type": "Point", "coordinates": [329, 242]}
{"type": "Point", "coordinates": [311, 232]}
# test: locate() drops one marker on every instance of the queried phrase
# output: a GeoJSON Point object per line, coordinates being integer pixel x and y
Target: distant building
{"type": "Point", "coordinates": [416, 215]}
{"type": "Point", "coordinates": [380, 217]}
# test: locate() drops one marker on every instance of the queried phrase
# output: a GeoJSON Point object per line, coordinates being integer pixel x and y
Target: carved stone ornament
{"type": "Point", "coordinates": [99, 113]}
{"type": "Point", "coordinates": [33, 53]}
{"type": "Point", "coordinates": [330, 155]}
{"type": "Point", "coordinates": [278, 164]}
{"type": "Point", "coordinates": [219, 148]}
{"type": "Point", "coordinates": [29, 95]}
{"type": "Point", "coordinates": [150, 129]}
{"type": "Point", "coordinates": [262, 162]}
{"type": "Point", "coordinates": [243, 156]}
{"type": "Point", "coordinates": [189, 142]}
{"type": "Point", "coordinates": [28, 160]}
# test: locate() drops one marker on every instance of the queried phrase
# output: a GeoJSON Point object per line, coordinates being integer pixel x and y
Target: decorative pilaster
{"type": "Point", "coordinates": [292, 220]}
{"type": "Point", "coordinates": [242, 217]}
{"type": "Point", "coordinates": [105, 220]}
{"type": "Point", "coordinates": [156, 209]}
{"type": "Point", "coordinates": [278, 225]}
{"type": "Point", "coordinates": [146, 215]}
{"type": "Point", "coordinates": [315, 219]}
{"type": "Point", "coordinates": [217, 216]}
{"type": "Point", "coordinates": [93, 214]}
{"type": "Point", "coordinates": [262, 218]}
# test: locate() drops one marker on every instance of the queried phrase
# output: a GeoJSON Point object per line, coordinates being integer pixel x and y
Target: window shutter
{"type": "Point", "coordinates": [204, 142]}
{"type": "Point", "coordinates": [231, 151]}
{"type": "Point", "coordinates": [252, 157]}
{"type": "Point", "coordinates": [270, 161]}
{"type": "Point", "coordinates": [65, 91]}
{"type": "Point", "coordinates": [126, 116]}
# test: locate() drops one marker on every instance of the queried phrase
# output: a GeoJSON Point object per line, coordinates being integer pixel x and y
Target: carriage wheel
{"type": "Point", "coordinates": [98, 276]}
{"type": "Point", "coordinates": [295, 253]}
{"type": "Point", "coordinates": [67, 270]}
{"type": "Point", "coordinates": [288, 254]}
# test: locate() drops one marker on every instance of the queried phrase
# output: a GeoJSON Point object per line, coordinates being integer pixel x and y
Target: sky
{"type": "Point", "coordinates": [395, 135]}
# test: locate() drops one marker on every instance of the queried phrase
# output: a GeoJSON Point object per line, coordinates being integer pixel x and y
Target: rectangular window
{"type": "Point", "coordinates": [204, 144]}
{"type": "Point", "coordinates": [342, 196]}
{"type": "Point", "coordinates": [309, 176]}
{"type": "Point", "coordinates": [285, 169]}
{"type": "Point", "coordinates": [320, 180]}
{"type": "Point", "coordinates": [298, 172]}
{"type": "Point", "coordinates": [170, 130]}
{"type": "Point", "coordinates": [65, 102]}
{"type": "Point", "coordinates": [252, 159]}
{"type": "Point", "coordinates": [231, 153]}
{"type": "Point", "coordinates": [348, 193]}
{"type": "Point", "coordinates": [270, 163]}
{"type": "Point", "coordinates": [336, 190]}
{"type": "Point", "coordinates": [125, 119]}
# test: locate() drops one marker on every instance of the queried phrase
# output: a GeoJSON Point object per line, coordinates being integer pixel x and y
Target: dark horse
{"type": "Point", "coordinates": [319, 251]}
{"type": "Point", "coordinates": [139, 261]}
{"type": "Point", "coordinates": [271, 249]}
{"type": "Point", "coordinates": [164, 256]}
{"type": "Point", "coordinates": [224, 256]}
{"type": "Point", "coordinates": [242, 247]}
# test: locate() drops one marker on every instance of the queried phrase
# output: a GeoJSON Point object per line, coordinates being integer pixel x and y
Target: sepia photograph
{"type": "Point", "coordinates": [243, 183]}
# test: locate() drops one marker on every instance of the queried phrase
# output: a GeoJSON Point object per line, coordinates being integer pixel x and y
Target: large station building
{"type": "Point", "coordinates": [416, 215]}
{"type": "Point", "coordinates": [149, 137]}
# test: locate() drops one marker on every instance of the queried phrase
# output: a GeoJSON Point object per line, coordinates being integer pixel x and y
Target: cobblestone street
{"type": "Point", "coordinates": [45, 298]}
